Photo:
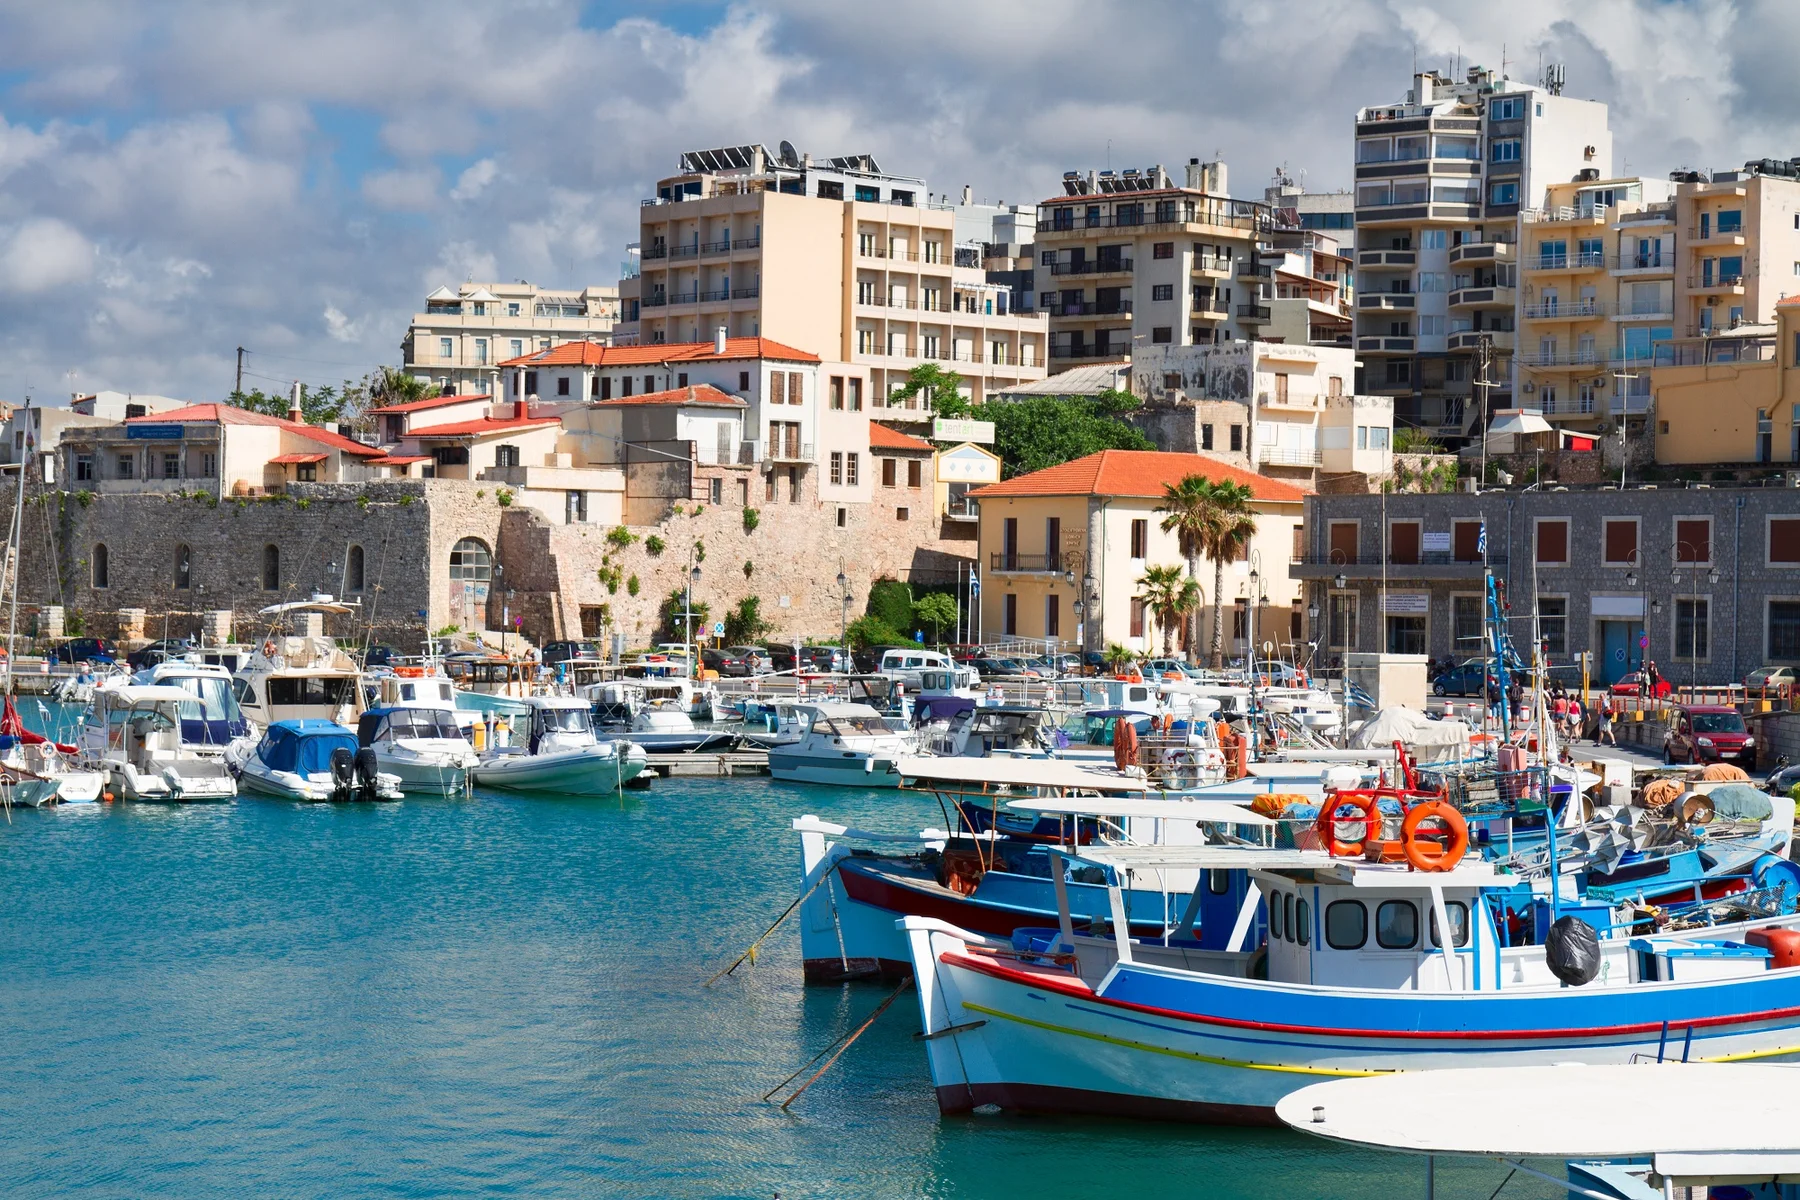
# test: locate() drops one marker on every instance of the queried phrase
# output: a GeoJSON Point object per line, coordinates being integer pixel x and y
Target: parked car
{"type": "Point", "coordinates": [724, 662]}
{"type": "Point", "coordinates": [1771, 679]}
{"type": "Point", "coordinates": [867, 661]}
{"type": "Point", "coordinates": [908, 664]}
{"type": "Point", "coordinates": [1467, 678]}
{"type": "Point", "coordinates": [1633, 685]}
{"type": "Point", "coordinates": [80, 650]}
{"type": "Point", "coordinates": [812, 658]}
{"type": "Point", "coordinates": [381, 655]}
{"type": "Point", "coordinates": [756, 657]}
{"type": "Point", "coordinates": [145, 657]}
{"type": "Point", "coordinates": [1158, 667]}
{"type": "Point", "coordinates": [555, 652]}
{"type": "Point", "coordinates": [989, 668]}
{"type": "Point", "coordinates": [1709, 733]}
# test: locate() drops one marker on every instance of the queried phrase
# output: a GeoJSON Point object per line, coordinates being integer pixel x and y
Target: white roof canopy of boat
{"type": "Point", "coordinates": [150, 693]}
{"type": "Point", "coordinates": [1353, 871]}
{"type": "Point", "coordinates": [318, 603]}
{"type": "Point", "coordinates": [1016, 772]}
{"type": "Point", "coordinates": [1722, 1120]}
{"type": "Point", "coordinates": [1173, 810]}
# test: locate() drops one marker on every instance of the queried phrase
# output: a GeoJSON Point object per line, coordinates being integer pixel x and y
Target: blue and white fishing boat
{"type": "Point", "coordinates": [561, 754]}
{"type": "Point", "coordinates": [315, 760]}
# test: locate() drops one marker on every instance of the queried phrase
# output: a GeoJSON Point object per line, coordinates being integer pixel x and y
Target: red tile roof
{"type": "Point", "coordinates": [430, 402]}
{"type": "Point", "coordinates": [399, 460]}
{"type": "Point", "coordinates": [1135, 473]}
{"type": "Point", "coordinates": [293, 459]}
{"type": "Point", "coordinates": [704, 394]}
{"type": "Point", "coordinates": [881, 437]}
{"type": "Point", "coordinates": [226, 414]}
{"type": "Point", "coordinates": [592, 354]}
{"type": "Point", "coordinates": [482, 426]}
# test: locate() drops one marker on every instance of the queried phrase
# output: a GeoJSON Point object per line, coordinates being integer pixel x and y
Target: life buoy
{"type": "Point", "coordinates": [1424, 851]}
{"type": "Point", "coordinates": [269, 648]}
{"type": "Point", "coordinates": [1326, 826]}
{"type": "Point", "coordinates": [409, 672]}
{"type": "Point", "coordinates": [1125, 744]}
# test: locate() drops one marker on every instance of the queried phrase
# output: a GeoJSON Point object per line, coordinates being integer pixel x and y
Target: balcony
{"type": "Point", "coordinates": [1470, 339]}
{"type": "Point", "coordinates": [1250, 271]}
{"type": "Point", "coordinates": [1482, 297]}
{"type": "Point", "coordinates": [722, 294]}
{"type": "Point", "coordinates": [1557, 310]}
{"type": "Point", "coordinates": [1583, 261]}
{"type": "Point", "coordinates": [1483, 252]}
{"type": "Point", "coordinates": [1253, 312]}
{"type": "Point", "coordinates": [1666, 314]}
{"type": "Point", "coordinates": [1386, 345]}
{"type": "Point", "coordinates": [1592, 214]}
{"type": "Point", "coordinates": [729, 245]}
{"type": "Point", "coordinates": [1090, 308]}
{"type": "Point", "coordinates": [1246, 215]}
{"type": "Point", "coordinates": [1212, 265]}
{"type": "Point", "coordinates": [1580, 360]}
{"type": "Point", "coordinates": [1716, 237]}
{"type": "Point", "coordinates": [1718, 284]}
{"type": "Point", "coordinates": [1121, 349]}
{"type": "Point", "coordinates": [1427, 565]}
{"type": "Point", "coordinates": [935, 306]}
{"type": "Point", "coordinates": [1629, 406]}
{"type": "Point", "coordinates": [1100, 266]}
{"type": "Point", "coordinates": [783, 450]}
{"type": "Point", "coordinates": [1387, 258]}
{"type": "Point", "coordinates": [1008, 562]}
{"type": "Point", "coordinates": [1386, 302]}
{"type": "Point", "coordinates": [1289, 456]}
{"type": "Point", "coordinates": [1653, 262]}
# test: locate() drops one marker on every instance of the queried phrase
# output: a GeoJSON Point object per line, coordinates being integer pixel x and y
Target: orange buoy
{"type": "Point", "coordinates": [1424, 850]}
{"type": "Point", "coordinates": [1125, 744]}
{"type": "Point", "coordinates": [1328, 822]}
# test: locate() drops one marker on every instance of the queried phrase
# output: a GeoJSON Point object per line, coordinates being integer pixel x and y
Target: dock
{"type": "Point", "coordinates": [706, 764]}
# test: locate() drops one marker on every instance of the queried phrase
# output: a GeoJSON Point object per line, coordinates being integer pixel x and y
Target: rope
{"type": "Point", "coordinates": [750, 953]}
{"type": "Point", "coordinates": [847, 1042]}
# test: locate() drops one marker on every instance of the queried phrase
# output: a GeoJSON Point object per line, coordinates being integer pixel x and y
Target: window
{"type": "Point", "coordinates": [1136, 629]}
{"type": "Point", "coordinates": [1553, 622]}
{"type": "Point", "coordinates": [1692, 618]}
{"type": "Point", "coordinates": [184, 567]}
{"type": "Point", "coordinates": [1465, 541]}
{"type": "Point", "coordinates": [1162, 291]}
{"type": "Point", "coordinates": [306, 472]}
{"type": "Point", "coordinates": [1303, 922]}
{"type": "Point", "coordinates": [1504, 150]}
{"type": "Point", "coordinates": [99, 565]}
{"type": "Point", "coordinates": [769, 486]}
{"type": "Point", "coordinates": [1009, 614]}
{"type": "Point", "coordinates": [1240, 620]}
{"type": "Point", "coordinates": [271, 568]}
{"type": "Point", "coordinates": [715, 491]}
{"type": "Point", "coordinates": [1341, 633]}
{"type": "Point", "coordinates": [1621, 541]}
{"type": "Point", "coordinates": [1431, 326]}
{"type": "Point", "coordinates": [1465, 624]}
{"type": "Point", "coordinates": [1206, 436]}
{"type": "Point", "coordinates": [1458, 913]}
{"type": "Point", "coordinates": [354, 574]}
{"type": "Point", "coordinates": [1431, 239]}
{"type": "Point", "coordinates": [1784, 541]}
{"type": "Point", "coordinates": [1140, 537]}
{"type": "Point", "coordinates": [446, 348]}
{"type": "Point", "coordinates": [1287, 917]}
{"type": "Point", "coordinates": [1052, 610]}
{"type": "Point", "coordinates": [1552, 541]}
{"type": "Point", "coordinates": [743, 381]}
{"type": "Point", "coordinates": [1162, 250]}
{"type": "Point", "coordinates": [850, 468]}
{"type": "Point", "coordinates": [1693, 540]}
{"type": "Point", "coordinates": [1731, 220]}
{"type": "Point", "coordinates": [1237, 437]}
{"type": "Point", "coordinates": [470, 562]}
{"type": "Point", "coordinates": [1397, 925]}
{"type": "Point", "coordinates": [506, 456]}
{"type": "Point", "coordinates": [575, 507]}
{"type": "Point", "coordinates": [843, 517]}
{"type": "Point", "coordinates": [171, 466]}
{"type": "Point", "coordinates": [837, 467]}
{"type": "Point", "coordinates": [1405, 634]}
{"type": "Point", "coordinates": [531, 385]}
{"type": "Point", "coordinates": [889, 472]}
{"type": "Point", "coordinates": [604, 384]}
{"type": "Point", "coordinates": [796, 383]}
{"type": "Point", "coordinates": [1506, 108]}
{"type": "Point", "coordinates": [1344, 536]}
{"type": "Point", "coordinates": [856, 395]}
{"type": "Point", "coordinates": [1403, 542]}
{"type": "Point", "coordinates": [84, 467]}
{"type": "Point", "coordinates": [1162, 335]}
{"type": "Point", "coordinates": [127, 466]}
{"type": "Point", "coordinates": [1503, 193]}
{"type": "Point", "coordinates": [915, 473]}
{"type": "Point", "coordinates": [837, 391]}
{"type": "Point", "coordinates": [649, 383]}
{"type": "Point", "coordinates": [1346, 925]}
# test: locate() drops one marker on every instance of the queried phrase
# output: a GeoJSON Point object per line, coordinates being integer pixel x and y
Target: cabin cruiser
{"type": "Point", "coordinates": [216, 721]}
{"type": "Point", "coordinates": [845, 744]}
{"type": "Point", "coordinates": [768, 724]}
{"type": "Point", "coordinates": [561, 754]}
{"type": "Point", "coordinates": [293, 678]}
{"type": "Point", "coordinates": [953, 725]}
{"type": "Point", "coordinates": [422, 747]}
{"type": "Point", "coordinates": [316, 760]}
{"type": "Point", "coordinates": [133, 733]}
{"type": "Point", "coordinates": [490, 683]}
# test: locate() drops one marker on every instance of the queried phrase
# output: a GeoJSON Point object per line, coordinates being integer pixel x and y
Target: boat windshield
{"type": "Point", "coordinates": [854, 726]}
{"type": "Point", "coordinates": [563, 720]}
{"type": "Point", "coordinates": [216, 703]}
{"type": "Point", "coordinates": [312, 689]}
{"type": "Point", "coordinates": [422, 723]}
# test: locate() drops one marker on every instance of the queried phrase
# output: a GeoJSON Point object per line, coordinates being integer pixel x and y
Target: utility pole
{"type": "Point", "coordinates": [1484, 359]}
{"type": "Point", "coordinates": [240, 373]}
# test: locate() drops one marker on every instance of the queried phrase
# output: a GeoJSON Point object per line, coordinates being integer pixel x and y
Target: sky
{"type": "Point", "coordinates": [183, 178]}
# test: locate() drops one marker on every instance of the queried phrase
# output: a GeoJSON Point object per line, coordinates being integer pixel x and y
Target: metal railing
{"type": "Point", "coordinates": [1096, 266]}
{"type": "Point", "coordinates": [1640, 262]}
{"type": "Point", "coordinates": [1387, 300]}
{"type": "Point", "coordinates": [1735, 279]}
{"type": "Point", "coordinates": [1089, 308]}
{"type": "Point", "coordinates": [1562, 262]}
{"type": "Point", "coordinates": [1698, 233]}
{"type": "Point", "coordinates": [1289, 456]}
{"type": "Point", "coordinates": [1093, 350]}
{"type": "Point", "coordinates": [1557, 310]}
{"type": "Point", "coordinates": [1421, 558]}
{"type": "Point", "coordinates": [730, 244]}
{"type": "Point", "coordinates": [1258, 218]}
{"type": "Point", "coordinates": [1010, 561]}
{"type": "Point", "coordinates": [1253, 312]}
{"type": "Point", "coordinates": [1400, 344]}
{"type": "Point", "coordinates": [1489, 294]}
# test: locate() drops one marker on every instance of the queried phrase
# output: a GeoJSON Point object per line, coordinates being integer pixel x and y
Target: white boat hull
{"type": "Point", "coordinates": [599, 770]}
{"type": "Point", "coordinates": [317, 788]}
{"type": "Point", "coordinates": [842, 769]}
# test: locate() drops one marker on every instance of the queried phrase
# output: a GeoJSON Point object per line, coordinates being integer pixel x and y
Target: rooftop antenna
{"type": "Point", "coordinates": [1503, 61]}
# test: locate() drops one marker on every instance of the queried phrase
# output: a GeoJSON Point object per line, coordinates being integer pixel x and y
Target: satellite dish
{"type": "Point", "coordinates": [790, 157]}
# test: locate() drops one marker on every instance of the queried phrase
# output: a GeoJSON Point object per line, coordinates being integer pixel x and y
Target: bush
{"type": "Point", "coordinates": [871, 630]}
{"type": "Point", "coordinates": [751, 519]}
{"type": "Point", "coordinates": [891, 602]}
{"type": "Point", "coordinates": [655, 545]}
{"type": "Point", "coordinates": [620, 536]}
{"type": "Point", "coordinates": [699, 551]}
{"type": "Point", "coordinates": [631, 585]}
{"type": "Point", "coordinates": [504, 497]}
{"type": "Point", "coordinates": [745, 623]}
{"type": "Point", "coordinates": [749, 568]}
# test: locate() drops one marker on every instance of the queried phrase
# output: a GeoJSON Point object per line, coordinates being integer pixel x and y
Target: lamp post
{"type": "Point", "coordinates": [1056, 664]}
{"type": "Point", "coordinates": [687, 618]}
{"type": "Point", "coordinates": [843, 587]}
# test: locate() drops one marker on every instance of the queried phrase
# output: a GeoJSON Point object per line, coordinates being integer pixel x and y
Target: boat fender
{"type": "Point", "coordinates": [1424, 850]}
{"type": "Point", "coordinates": [1572, 951]}
{"type": "Point", "coordinates": [1327, 824]}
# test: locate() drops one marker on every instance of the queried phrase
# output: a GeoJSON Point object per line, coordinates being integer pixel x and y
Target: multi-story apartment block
{"type": "Point", "coordinates": [837, 257]}
{"type": "Point", "coordinates": [1739, 233]}
{"type": "Point", "coordinates": [1131, 258]}
{"type": "Point", "coordinates": [1440, 181]}
{"type": "Point", "coordinates": [1596, 291]}
{"type": "Point", "coordinates": [465, 333]}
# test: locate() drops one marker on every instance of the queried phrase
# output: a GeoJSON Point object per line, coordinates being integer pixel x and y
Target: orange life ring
{"type": "Point", "coordinates": [1327, 823]}
{"type": "Point", "coordinates": [1425, 853]}
{"type": "Point", "coordinates": [1125, 743]}
{"type": "Point", "coordinates": [269, 648]}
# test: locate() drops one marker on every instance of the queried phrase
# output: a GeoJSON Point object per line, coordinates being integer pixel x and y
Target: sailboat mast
{"type": "Point", "coordinates": [12, 553]}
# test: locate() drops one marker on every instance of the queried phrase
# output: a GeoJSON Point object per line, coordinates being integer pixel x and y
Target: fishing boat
{"type": "Point", "coordinates": [844, 744]}
{"type": "Point", "coordinates": [490, 683]}
{"type": "Point", "coordinates": [133, 733]}
{"type": "Point", "coordinates": [562, 754]}
{"type": "Point", "coordinates": [1366, 967]}
{"type": "Point", "coordinates": [314, 760]}
{"type": "Point", "coordinates": [422, 747]}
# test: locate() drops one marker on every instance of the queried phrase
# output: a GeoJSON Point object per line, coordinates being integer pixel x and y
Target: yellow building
{"type": "Point", "coordinates": [1087, 529]}
{"type": "Point", "coordinates": [835, 256]}
{"type": "Point", "coordinates": [1740, 246]}
{"type": "Point", "coordinates": [1731, 398]}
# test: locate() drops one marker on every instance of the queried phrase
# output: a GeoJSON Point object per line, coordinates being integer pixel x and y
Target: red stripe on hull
{"type": "Point", "coordinates": [903, 901]}
{"type": "Point", "coordinates": [1041, 1098]}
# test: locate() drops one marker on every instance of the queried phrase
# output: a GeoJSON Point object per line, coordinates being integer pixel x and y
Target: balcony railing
{"type": "Point", "coordinates": [782, 450]}
{"type": "Point", "coordinates": [1716, 281]}
{"type": "Point", "coordinates": [1393, 345]}
{"type": "Point", "coordinates": [1734, 237]}
{"type": "Point", "coordinates": [730, 244]}
{"type": "Point", "coordinates": [1212, 262]}
{"type": "Point", "coordinates": [1091, 350]}
{"type": "Point", "coordinates": [1255, 270]}
{"type": "Point", "coordinates": [1256, 217]}
{"type": "Point", "coordinates": [1087, 266]}
{"type": "Point", "coordinates": [1479, 252]}
{"type": "Point", "coordinates": [1564, 262]}
{"type": "Point", "coordinates": [1009, 561]}
{"type": "Point", "coordinates": [1482, 297]}
{"type": "Point", "coordinates": [1253, 312]}
{"type": "Point", "coordinates": [1090, 308]}
{"type": "Point", "coordinates": [1560, 311]}
{"type": "Point", "coordinates": [941, 306]}
{"type": "Point", "coordinates": [1652, 261]}
{"type": "Point", "coordinates": [1587, 358]}
{"type": "Point", "coordinates": [1289, 456]}
{"type": "Point", "coordinates": [1387, 258]}
{"type": "Point", "coordinates": [1422, 558]}
{"type": "Point", "coordinates": [1382, 301]}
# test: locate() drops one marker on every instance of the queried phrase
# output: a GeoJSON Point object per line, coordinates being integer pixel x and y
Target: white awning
{"type": "Point", "coordinates": [1018, 772]}
{"type": "Point", "coordinates": [1518, 421]}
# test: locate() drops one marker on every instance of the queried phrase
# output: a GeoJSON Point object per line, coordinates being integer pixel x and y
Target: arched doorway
{"type": "Point", "coordinates": [471, 573]}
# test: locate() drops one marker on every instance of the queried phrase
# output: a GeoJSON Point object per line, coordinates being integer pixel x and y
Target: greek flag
{"type": "Point", "coordinates": [974, 583]}
{"type": "Point", "coordinates": [1356, 697]}
{"type": "Point", "coordinates": [1481, 541]}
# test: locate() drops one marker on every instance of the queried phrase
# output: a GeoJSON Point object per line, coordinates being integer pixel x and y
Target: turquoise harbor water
{"type": "Point", "coordinates": [503, 996]}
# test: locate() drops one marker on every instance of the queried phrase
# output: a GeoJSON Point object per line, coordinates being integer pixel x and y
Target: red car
{"type": "Point", "coordinates": [1709, 733]}
{"type": "Point", "coordinates": [1633, 685]}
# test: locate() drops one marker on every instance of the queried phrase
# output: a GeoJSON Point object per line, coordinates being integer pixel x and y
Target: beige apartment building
{"type": "Point", "coordinates": [1739, 248]}
{"type": "Point", "coordinates": [466, 332]}
{"type": "Point", "coordinates": [834, 256]}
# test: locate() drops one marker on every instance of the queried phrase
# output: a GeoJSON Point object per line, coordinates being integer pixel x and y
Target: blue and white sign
{"type": "Point", "coordinates": [718, 629]}
{"type": "Point", "coordinates": [153, 433]}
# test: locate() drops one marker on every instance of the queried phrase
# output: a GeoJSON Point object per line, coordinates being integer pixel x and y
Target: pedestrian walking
{"type": "Point", "coordinates": [1603, 735]}
{"type": "Point", "coordinates": [1576, 727]}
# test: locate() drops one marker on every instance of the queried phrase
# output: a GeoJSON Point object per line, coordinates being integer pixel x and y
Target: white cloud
{"type": "Point", "coordinates": [44, 253]}
{"type": "Point", "coordinates": [402, 191]}
{"type": "Point", "coordinates": [474, 180]}
{"type": "Point", "coordinates": [340, 327]}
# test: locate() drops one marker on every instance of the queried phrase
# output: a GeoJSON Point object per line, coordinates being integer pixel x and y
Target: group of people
{"type": "Point", "coordinates": [1571, 719]}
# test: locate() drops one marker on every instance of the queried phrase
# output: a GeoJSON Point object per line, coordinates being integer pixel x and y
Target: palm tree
{"type": "Point", "coordinates": [1170, 597]}
{"type": "Point", "coordinates": [1117, 657]}
{"type": "Point", "coordinates": [1188, 506]}
{"type": "Point", "coordinates": [1230, 526]}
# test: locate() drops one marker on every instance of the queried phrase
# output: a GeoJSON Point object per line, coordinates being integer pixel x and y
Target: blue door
{"type": "Point", "coordinates": [1619, 652]}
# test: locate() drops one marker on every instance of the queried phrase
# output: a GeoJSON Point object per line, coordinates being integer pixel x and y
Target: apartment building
{"type": "Point", "coordinates": [1441, 178]}
{"type": "Point", "coordinates": [1134, 259]}
{"type": "Point", "coordinates": [835, 256]}
{"type": "Point", "coordinates": [1739, 245]}
{"type": "Point", "coordinates": [1596, 267]}
{"type": "Point", "coordinates": [465, 332]}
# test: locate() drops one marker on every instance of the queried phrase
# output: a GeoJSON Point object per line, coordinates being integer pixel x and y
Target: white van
{"type": "Point", "coordinates": [907, 666]}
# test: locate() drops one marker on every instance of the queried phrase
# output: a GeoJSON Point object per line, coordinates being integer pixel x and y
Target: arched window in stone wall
{"type": "Point", "coordinates": [184, 567]}
{"type": "Point", "coordinates": [100, 566]}
{"type": "Point", "coordinates": [271, 571]}
{"type": "Point", "coordinates": [353, 570]}
{"type": "Point", "coordinates": [471, 562]}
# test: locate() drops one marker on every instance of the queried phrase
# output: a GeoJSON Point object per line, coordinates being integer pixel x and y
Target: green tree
{"type": "Point", "coordinates": [891, 602]}
{"type": "Point", "coordinates": [938, 387]}
{"type": "Point", "coordinates": [1170, 596]}
{"type": "Point", "coordinates": [669, 616]}
{"type": "Point", "coordinates": [1117, 657]}
{"type": "Point", "coordinates": [1187, 508]}
{"type": "Point", "coordinates": [936, 610]}
{"type": "Point", "coordinates": [1227, 538]}
{"type": "Point", "coordinates": [318, 406]}
{"type": "Point", "coordinates": [871, 630]}
{"type": "Point", "coordinates": [1046, 431]}
{"type": "Point", "coordinates": [744, 625]}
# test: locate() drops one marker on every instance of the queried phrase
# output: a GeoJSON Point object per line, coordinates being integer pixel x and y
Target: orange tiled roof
{"type": "Point", "coordinates": [881, 437]}
{"type": "Point", "coordinates": [399, 460]}
{"type": "Point", "coordinates": [592, 354]}
{"type": "Point", "coordinates": [703, 394]}
{"type": "Point", "coordinates": [1135, 473]}
{"type": "Point", "coordinates": [482, 426]}
{"type": "Point", "coordinates": [430, 402]}
{"type": "Point", "coordinates": [296, 459]}
{"type": "Point", "coordinates": [226, 414]}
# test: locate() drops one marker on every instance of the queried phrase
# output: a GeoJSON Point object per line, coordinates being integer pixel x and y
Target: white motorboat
{"type": "Point", "coordinates": [849, 745]}
{"type": "Point", "coordinates": [561, 754]}
{"type": "Point", "coordinates": [316, 760]}
{"type": "Point", "coordinates": [36, 772]}
{"type": "Point", "coordinates": [667, 730]}
{"type": "Point", "coordinates": [133, 735]}
{"type": "Point", "coordinates": [216, 722]}
{"type": "Point", "coordinates": [421, 747]}
{"type": "Point", "coordinates": [296, 679]}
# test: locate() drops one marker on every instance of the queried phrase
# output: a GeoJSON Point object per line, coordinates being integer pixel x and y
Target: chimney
{"type": "Point", "coordinates": [522, 407]}
{"type": "Point", "coordinates": [968, 194]}
{"type": "Point", "coordinates": [294, 412]}
{"type": "Point", "coordinates": [1196, 178]}
{"type": "Point", "coordinates": [719, 341]}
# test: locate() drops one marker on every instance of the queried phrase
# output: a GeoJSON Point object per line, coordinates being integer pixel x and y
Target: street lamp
{"type": "Point", "coordinates": [843, 586]}
{"type": "Point", "coordinates": [1081, 629]}
{"type": "Point", "coordinates": [693, 577]}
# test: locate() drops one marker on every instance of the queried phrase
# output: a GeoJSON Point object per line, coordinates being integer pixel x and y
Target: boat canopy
{"type": "Point", "coordinates": [406, 722]}
{"type": "Point", "coordinates": [1016, 772]}
{"type": "Point", "coordinates": [940, 708]}
{"type": "Point", "coordinates": [304, 747]}
{"type": "Point", "coordinates": [318, 604]}
{"type": "Point", "coordinates": [1173, 810]}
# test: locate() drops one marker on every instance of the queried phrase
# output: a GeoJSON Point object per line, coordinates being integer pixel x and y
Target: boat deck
{"type": "Point", "coordinates": [709, 763]}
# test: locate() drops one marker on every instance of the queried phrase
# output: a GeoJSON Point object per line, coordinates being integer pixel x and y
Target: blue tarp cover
{"type": "Point", "coordinates": [304, 747]}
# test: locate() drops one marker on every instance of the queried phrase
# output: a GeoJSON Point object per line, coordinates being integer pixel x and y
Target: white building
{"type": "Point", "coordinates": [465, 332]}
